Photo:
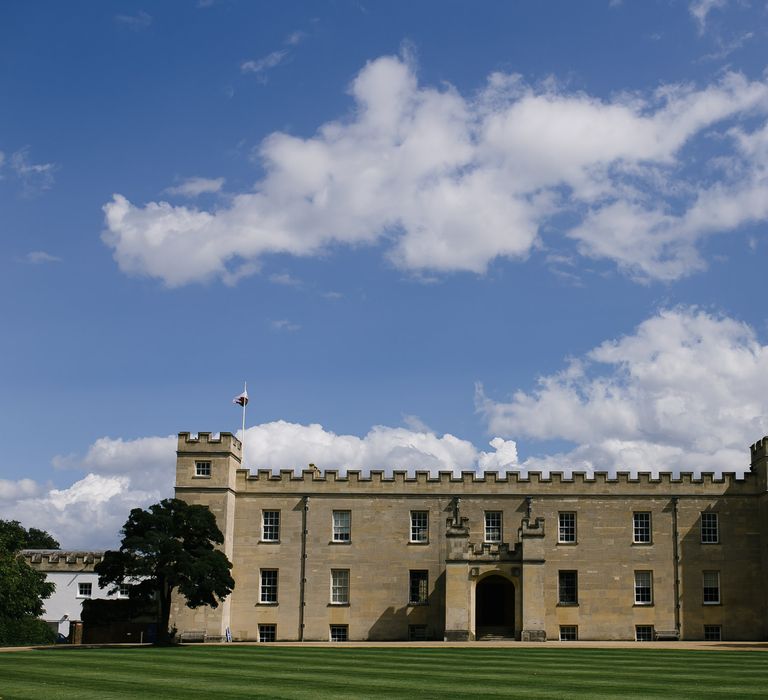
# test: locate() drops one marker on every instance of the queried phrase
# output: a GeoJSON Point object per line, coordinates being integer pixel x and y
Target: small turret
{"type": "Point", "coordinates": [759, 463]}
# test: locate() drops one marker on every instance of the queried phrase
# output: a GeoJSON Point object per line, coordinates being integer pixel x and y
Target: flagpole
{"type": "Point", "coordinates": [245, 403]}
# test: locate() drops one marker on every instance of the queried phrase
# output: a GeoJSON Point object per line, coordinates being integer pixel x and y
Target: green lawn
{"type": "Point", "coordinates": [337, 672]}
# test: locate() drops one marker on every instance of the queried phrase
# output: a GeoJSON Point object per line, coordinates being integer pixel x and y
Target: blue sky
{"type": "Point", "coordinates": [413, 228]}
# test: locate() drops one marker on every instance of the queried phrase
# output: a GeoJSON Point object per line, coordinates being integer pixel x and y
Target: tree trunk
{"type": "Point", "coordinates": [164, 595]}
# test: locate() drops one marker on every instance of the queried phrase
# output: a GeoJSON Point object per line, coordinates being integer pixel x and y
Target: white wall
{"type": "Point", "coordinates": [65, 599]}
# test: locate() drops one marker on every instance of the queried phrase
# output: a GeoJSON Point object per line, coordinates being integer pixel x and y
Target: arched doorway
{"type": "Point", "coordinates": [494, 607]}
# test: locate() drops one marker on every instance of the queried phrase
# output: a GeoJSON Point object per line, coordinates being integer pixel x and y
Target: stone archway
{"type": "Point", "coordinates": [494, 607]}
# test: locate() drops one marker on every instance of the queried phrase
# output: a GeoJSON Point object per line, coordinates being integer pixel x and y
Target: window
{"type": "Point", "coordinates": [270, 525]}
{"type": "Point", "coordinates": [202, 468]}
{"type": "Point", "coordinates": [340, 586]}
{"type": "Point", "coordinates": [342, 525]}
{"type": "Point", "coordinates": [567, 588]}
{"type": "Point", "coordinates": [124, 590]}
{"type": "Point", "coordinates": [84, 590]}
{"type": "Point", "coordinates": [644, 633]}
{"type": "Point", "coordinates": [419, 588]}
{"type": "Point", "coordinates": [713, 633]}
{"type": "Point", "coordinates": [267, 633]}
{"type": "Point", "coordinates": [569, 633]}
{"type": "Point", "coordinates": [566, 530]}
{"type": "Point", "coordinates": [641, 528]}
{"type": "Point", "coordinates": [417, 633]}
{"type": "Point", "coordinates": [268, 592]}
{"type": "Point", "coordinates": [643, 588]}
{"type": "Point", "coordinates": [419, 526]}
{"type": "Point", "coordinates": [710, 529]}
{"type": "Point", "coordinates": [493, 526]}
{"type": "Point", "coordinates": [339, 633]}
{"type": "Point", "coordinates": [711, 588]}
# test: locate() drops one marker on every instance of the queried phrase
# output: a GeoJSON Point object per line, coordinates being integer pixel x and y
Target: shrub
{"type": "Point", "coordinates": [25, 631]}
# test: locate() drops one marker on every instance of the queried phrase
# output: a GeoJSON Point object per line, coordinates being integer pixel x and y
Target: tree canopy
{"type": "Point", "coordinates": [13, 537]}
{"type": "Point", "coordinates": [22, 588]}
{"type": "Point", "coordinates": [170, 546]}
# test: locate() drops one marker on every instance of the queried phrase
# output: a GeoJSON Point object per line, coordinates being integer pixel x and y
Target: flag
{"type": "Point", "coordinates": [242, 399]}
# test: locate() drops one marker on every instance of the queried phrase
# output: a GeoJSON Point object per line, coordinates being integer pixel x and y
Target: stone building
{"type": "Point", "coordinates": [321, 556]}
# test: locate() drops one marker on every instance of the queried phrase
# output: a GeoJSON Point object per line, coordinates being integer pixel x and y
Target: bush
{"type": "Point", "coordinates": [26, 631]}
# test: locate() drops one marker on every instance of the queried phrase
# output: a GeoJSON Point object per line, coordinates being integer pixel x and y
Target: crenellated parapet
{"type": "Point", "coordinates": [759, 449]}
{"type": "Point", "coordinates": [205, 442]}
{"type": "Point", "coordinates": [491, 551]}
{"type": "Point", "coordinates": [379, 476]}
{"type": "Point", "coordinates": [61, 560]}
{"type": "Point", "coordinates": [470, 482]}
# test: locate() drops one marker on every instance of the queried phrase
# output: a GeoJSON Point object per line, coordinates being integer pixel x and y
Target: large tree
{"type": "Point", "coordinates": [170, 547]}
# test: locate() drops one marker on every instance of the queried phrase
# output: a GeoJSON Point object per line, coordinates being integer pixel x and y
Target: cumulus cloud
{"type": "Point", "coordinates": [195, 186]}
{"type": "Point", "coordinates": [14, 490]}
{"type": "Point", "coordinates": [687, 390]}
{"type": "Point", "coordinates": [119, 475]}
{"type": "Point", "coordinates": [87, 515]}
{"type": "Point", "coordinates": [453, 182]}
{"type": "Point", "coordinates": [283, 445]}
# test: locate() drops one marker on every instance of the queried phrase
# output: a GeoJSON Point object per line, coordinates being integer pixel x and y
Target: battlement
{"type": "Point", "coordinates": [61, 560]}
{"type": "Point", "coordinates": [203, 442]}
{"type": "Point", "coordinates": [759, 449]}
{"type": "Point", "coordinates": [378, 476]}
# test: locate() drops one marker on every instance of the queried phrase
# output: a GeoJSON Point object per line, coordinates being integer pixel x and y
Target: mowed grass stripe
{"type": "Point", "coordinates": [295, 672]}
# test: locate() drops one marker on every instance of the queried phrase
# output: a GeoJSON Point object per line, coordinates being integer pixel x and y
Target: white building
{"type": "Point", "coordinates": [75, 581]}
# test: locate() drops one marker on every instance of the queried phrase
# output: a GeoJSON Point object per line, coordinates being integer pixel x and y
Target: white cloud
{"type": "Point", "coordinates": [88, 514]}
{"type": "Point", "coordinates": [284, 325]}
{"type": "Point", "coordinates": [119, 475]}
{"type": "Point", "coordinates": [40, 257]}
{"type": "Point", "coordinates": [282, 445]}
{"type": "Point", "coordinates": [141, 20]}
{"type": "Point", "coordinates": [148, 460]}
{"type": "Point", "coordinates": [260, 66]}
{"type": "Point", "coordinates": [700, 10]}
{"type": "Point", "coordinates": [295, 38]}
{"type": "Point", "coordinates": [195, 186]}
{"type": "Point", "coordinates": [285, 279]}
{"type": "Point", "coordinates": [14, 490]}
{"type": "Point", "coordinates": [34, 176]}
{"type": "Point", "coordinates": [687, 390]}
{"type": "Point", "coordinates": [454, 183]}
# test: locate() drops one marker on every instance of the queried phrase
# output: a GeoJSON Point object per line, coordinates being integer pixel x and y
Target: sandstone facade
{"type": "Point", "coordinates": [321, 556]}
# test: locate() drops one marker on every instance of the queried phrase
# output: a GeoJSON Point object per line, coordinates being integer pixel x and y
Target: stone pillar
{"type": "Point", "coordinates": [534, 608]}
{"type": "Point", "coordinates": [457, 584]}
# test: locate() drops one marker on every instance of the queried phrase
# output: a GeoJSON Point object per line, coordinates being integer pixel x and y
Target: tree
{"type": "Point", "coordinates": [170, 547]}
{"type": "Point", "coordinates": [13, 537]}
{"type": "Point", "coordinates": [22, 588]}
